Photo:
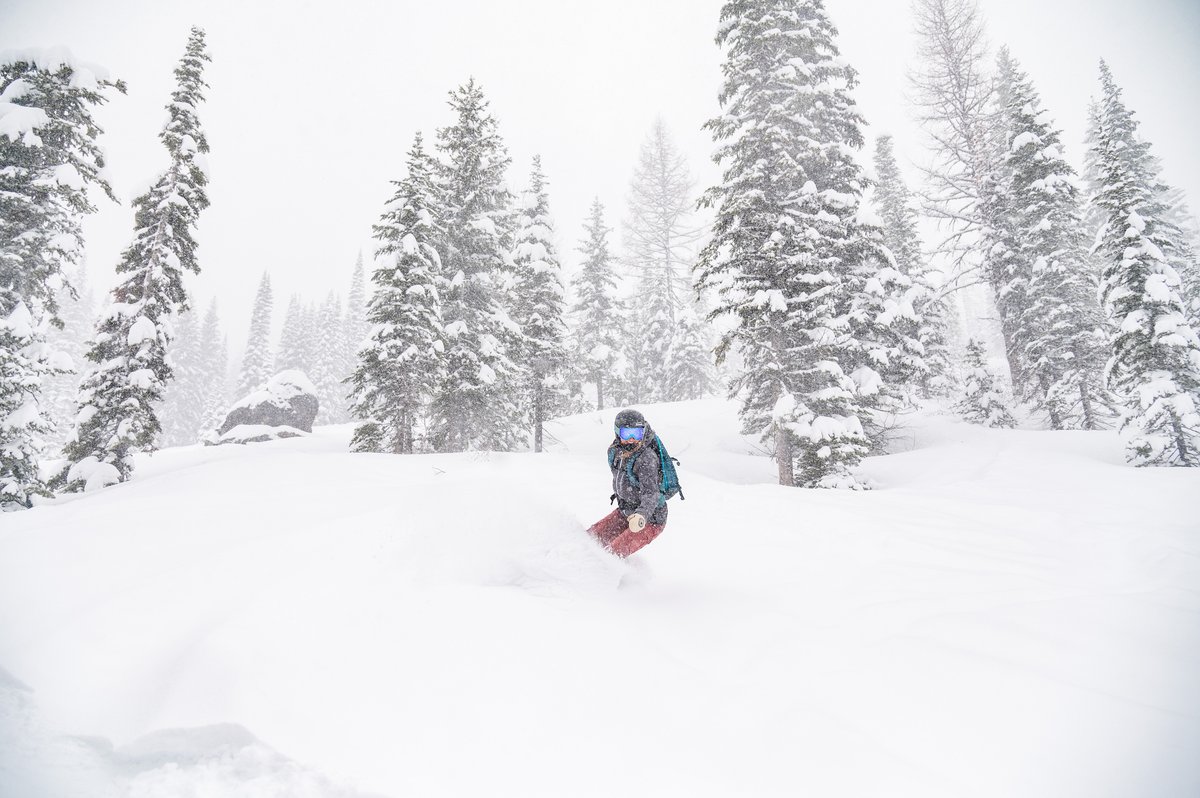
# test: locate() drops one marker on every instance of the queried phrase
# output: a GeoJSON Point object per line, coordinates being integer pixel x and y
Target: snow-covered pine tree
{"type": "Point", "coordinates": [538, 307]}
{"type": "Point", "coordinates": [660, 236]}
{"type": "Point", "coordinates": [49, 157]}
{"type": "Point", "coordinates": [1185, 258]}
{"type": "Point", "coordinates": [882, 351]}
{"type": "Point", "coordinates": [1154, 368]}
{"type": "Point", "coordinates": [77, 310]}
{"type": "Point", "coordinates": [783, 246]}
{"type": "Point", "coordinates": [624, 386]}
{"type": "Point", "coordinates": [117, 399]}
{"type": "Point", "coordinates": [475, 402]}
{"type": "Point", "coordinates": [1093, 216]}
{"type": "Point", "coordinates": [214, 370]}
{"type": "Point", "coordinates": [1186, 261]}
{"type": "Point", "coordinates": [899, 222]}
{"type": "Point", "coordinates": [690, 374]}
{"type": "Point", "coordinates": [1006, 268]}
{"type": "Point", "coordinates": [894, 203]}
{"type": "Point", "coordinates": [327, 376]}
{"type": "Point", "coordinates": [23, 425]}
{"type": "Point", "coordinates": [595, 314]}
{"type": "Point", "coordinates": [884, 319]}
{"type": "Point", "coordinates": [1057, 326]}
{"type": "Point", "coordinates": [355, 324]}
{"type": "Point", "coordinates": [983, 401]}
{"type": "Point", "coordinates": [310, 313]}
{"type": "Point", "coordinates": [294, 339]}
{"type": "Point", "coordinates": [182, 408]}
{"type": "Point", "coordinates": [257, 360]}
{"type": "Point", "coordinates": [398, 365]}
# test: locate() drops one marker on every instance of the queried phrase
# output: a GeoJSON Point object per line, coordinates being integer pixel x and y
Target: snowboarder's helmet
{"type": "Point", "coordinates": [629, 418]}
{"type": "Point", "coordinates": [629, 426]}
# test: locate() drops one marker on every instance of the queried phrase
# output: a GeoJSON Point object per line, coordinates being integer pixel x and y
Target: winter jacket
{"type": "Point", "coordinates": [642, 497]}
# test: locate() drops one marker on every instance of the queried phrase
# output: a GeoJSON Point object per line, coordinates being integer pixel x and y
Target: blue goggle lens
{"type": "Point", "coordinates": [631, 433]}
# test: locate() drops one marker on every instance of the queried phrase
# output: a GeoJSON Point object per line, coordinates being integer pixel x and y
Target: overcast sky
{"type": "Point", "coordinates": [313, 105]}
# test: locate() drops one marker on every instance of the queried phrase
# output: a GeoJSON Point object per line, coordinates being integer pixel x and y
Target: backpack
{"type": "Point", "coordinates": [669, 485]}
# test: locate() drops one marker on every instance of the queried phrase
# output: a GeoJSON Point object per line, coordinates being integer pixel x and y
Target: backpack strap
{"type": "Point", "coordinates": [612, 463]}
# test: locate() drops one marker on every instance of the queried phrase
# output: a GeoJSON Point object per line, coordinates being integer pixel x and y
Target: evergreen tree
{"type": "Point", "coordinates": [783, 247]}
{"type": "Point", "coordinates": [1057, 326]}
{"type": "Point", "coordinates": [327, 376]}
{"type": "Point", "coordinates": [311, 314]}
{"type": "Point", "coordinates": [596, 340]}
{"type": "Point", "coordinates": [214, 370]}
{"type": "Point", "coordinates": [929, 325]}
{"type": "Point", "coordinates": [49, 157]}
{"type": "Point", "coordinates": [883, 320]}
{"type": "Point", "coordinates": [356, 325]}
{"type": "Point", "coordinates": [294, 346]}
{"type": "Point", "coordinates": [894, 202]}
{"type": "Point", "coordinates": [256, 362]}
{"type": "Point", "coordinates": [1008, 268]}
{"type": "Point", "coordinates": [983, 401]}
{"type": "Point", "coordinates": [690, 373]}
{"type": "Point", "coordinates": [1154, 367]}
{"type": "Point", "coordinates": [117, 400]}
{"type": "Point", "coordinates": [538, 308]}
{"type": "Point", "coordinates": [1185, 257]}
{"type": "Point", "coordinates": [1093, 216]}
{"type": "Point", "coordinates": [23, 425]}
{"type": "Point", "coordinates": [640, 346]}
{"type": "Point", "coordinates": [625, 384]}
{"type": "Point", "coordinates": [882, 352]}
{"type": "Point", "coordinates": [182, 409]}
{"type": "Point", "coordinates": [398, 366]}
{"type": "Point", "coordinates": [475, 404]}
{"type": "Point", "coordinates": [77, 309]}
{"type": "Point", "coordinates": [353, 333]}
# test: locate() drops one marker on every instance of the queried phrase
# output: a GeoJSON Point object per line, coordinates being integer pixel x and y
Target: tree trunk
{"type": "Point", "coordinates": [783, 457]}
{"type": "Point", "coordinates": [1056, 420]}
{"type": "Point", "coordinates": [537, 420]}
{"type": "Point", "coordinates": [1085, 399]}
{"type": "Point", "coordinates": [1181, 442]}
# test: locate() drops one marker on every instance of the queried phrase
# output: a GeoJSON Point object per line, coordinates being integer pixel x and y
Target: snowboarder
{"type": "Point", "coordinates": [638, 486]}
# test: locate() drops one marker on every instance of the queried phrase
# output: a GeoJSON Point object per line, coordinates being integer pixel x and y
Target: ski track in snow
{"type": "Point", "coordinates": [1009, 613]}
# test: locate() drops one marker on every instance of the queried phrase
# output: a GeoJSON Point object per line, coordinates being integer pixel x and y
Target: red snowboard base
{"type": "Point", "coordinates": [614, 534]}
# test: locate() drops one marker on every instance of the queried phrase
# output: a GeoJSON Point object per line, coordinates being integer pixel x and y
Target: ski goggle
{"type": "Point", "coordinates": [631, 433]}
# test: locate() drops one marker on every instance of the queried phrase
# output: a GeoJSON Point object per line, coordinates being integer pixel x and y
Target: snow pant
{"type": "Point", "coordinates": [614, 534]}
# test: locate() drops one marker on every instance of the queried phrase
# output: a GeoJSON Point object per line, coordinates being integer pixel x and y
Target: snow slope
{"type": "Point", "coordinates": [1009, 613]}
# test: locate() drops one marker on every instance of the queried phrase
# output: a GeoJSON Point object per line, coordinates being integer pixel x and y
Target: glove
{"type": "Point", "coordinates": [637, 522]}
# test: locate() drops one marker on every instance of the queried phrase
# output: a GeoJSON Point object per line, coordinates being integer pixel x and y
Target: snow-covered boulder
{"type": "Point", "coordinates": [285, 407]}
{"type": "Point", "coordinates": [253, 433]}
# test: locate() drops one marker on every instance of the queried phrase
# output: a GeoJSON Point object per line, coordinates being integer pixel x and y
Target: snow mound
{"type": "Point", "coordinates": [220, 760]}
